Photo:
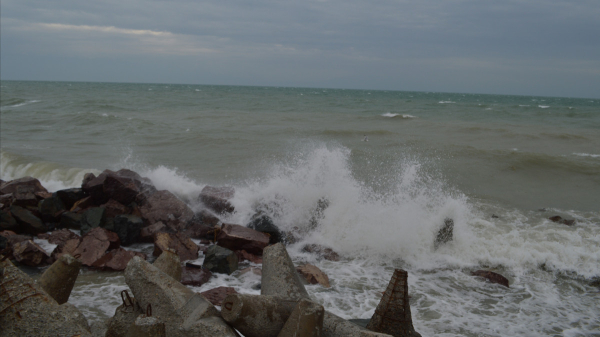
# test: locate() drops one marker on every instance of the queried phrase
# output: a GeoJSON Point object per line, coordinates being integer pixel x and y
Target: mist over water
{"type": "Point", "coordinates": [286, 149]}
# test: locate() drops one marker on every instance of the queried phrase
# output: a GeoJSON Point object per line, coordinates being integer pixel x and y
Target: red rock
{"type": "Point", "coordinates": [123, 190]}
{"type": "Point", "coordinates": [95, 244]}
{"type": "Point", "coordinates": [59, 237]}
{"type": "Point", "coordinates": [11, 186]}
{"type": "Point", "coordinates": [324, 252]}
{"type": "Point", "coordinates": [492, 277]}
{"type": "Point", "coordinates": [196, 277]}
{"type": "Point", "coordinates": [116, 259]}
{"type": "Point", "coordinates": [147, 233]}
{"type": "Point", "coordinates": [29, 253]}
{"type": "Point", "coordinates": [244, 255]}
{"type": "Point", "coordinates": [164, 206]}
{"type": "Point", "coordinates": [313, 275]}
{"type": "Point", "coordinates": [216, 198]}
{"type": "Point", "coordinates": [180, 243]}
{"type": "Point", "coordinates": [114, 208]}
{"type": "Point", "coordinates": [217, 295]}
{"type": "Point", "coordinates": [236, 237]}
{"type": "Point", "coordinates": [69, 247]}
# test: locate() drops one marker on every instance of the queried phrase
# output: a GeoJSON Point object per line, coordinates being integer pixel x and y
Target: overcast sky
{"type": "Point", "coordinates": [526, 47]}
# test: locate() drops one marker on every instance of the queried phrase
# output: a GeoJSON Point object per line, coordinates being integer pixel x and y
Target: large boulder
{"type": "Point", "coordinates": [322, 251]}
{"type": "Point", "coordinates": [59, 237]}
{"type": "Point", "coordinates": [24, 196]}
{"type": "Point", "coordinates": [70, 196]}
{"type": "Point", "coordinates": [29, 253]}
{"type": "Point", "coordinates": [116, 259]}
{"type": "Point", "coordinates": [32, 312]}
{"type": "Point", "coordinates": [69, 247]}
{"type": "Point", "coordinates": [194, 276]}
{"type": "Point", "coordinates": [114, 208]}
{"type": "Point", "coordinates": [216, 198]}
{"type": "Point", "coordinates": [184, 312]}
{"type": "Point", "coordinates": [180, 243]}
{"type": "Point", "coordinates": [11, 186]}
{"type": "Point", "coordinates": [148, 233]}
{"type": "Point", "coordinates": [220, 260]}
{"type": "Point", "coordinates": [264, 224]}
{"type": "Point", "coordinates": [123, 190]}
{"type": "Point", "coordinates": [236, 237]}
{"type": "Point", "coordinates": [7, 222]}
{"type": "Point", "coordinates": [28, 222]}
{"type": "Point", "coordinates": [491, 276]}
{"type": "Point", "coordinates": [128, 228]}
{"type": "Point", "coordinates": [95, 244]}
{"type": "Point", "coordinates": [70, 220]}
{"type": "Point", "coordinates": [93, 218]}
{"type": "Point", "coordinates": [313, 275]}
{"type": "Point", "coordinates": [165, 207]}
{"type": "Point", "coordinates": [52, 208]}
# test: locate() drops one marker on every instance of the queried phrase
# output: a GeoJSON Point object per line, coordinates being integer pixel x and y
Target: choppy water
{"type": "Point", "coordinates": [428, 156]}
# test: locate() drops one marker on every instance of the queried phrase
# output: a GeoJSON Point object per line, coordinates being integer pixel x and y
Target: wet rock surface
{"type": "Point", "coordinates": [236, 237]}
{"type": "Point", "coordinates": [95, 244]}
{"type": "Point", "coordinates": [220, 260]}
{"type": "Point", "coordinates": [27, 221]}
{"type": "Point", "coordinates": [264, 224]}
{"type": "Point", "coordinates": [216, 198]}
{"type": "Point", "coordinates": [29, 253]}
{"type": "Point", "coordinates": [322, 251]}
{"type": "Point", "coordinates": [165, 207]}
{"type": "Point", "coordinates": [313, 275]}
{"type": "Point", "coordinates": [194, 276]}
{"type": "Point", "coordinates": [491, 276]}
{"type": "Point", "coordinates": [180, 243]}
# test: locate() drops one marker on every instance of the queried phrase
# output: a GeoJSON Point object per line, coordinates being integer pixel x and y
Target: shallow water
{"type": "Point", "coordinates": [429, 156]}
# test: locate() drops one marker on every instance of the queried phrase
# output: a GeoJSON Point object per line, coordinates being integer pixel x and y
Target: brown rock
{"type": "Point", "coordinates": [180, 243]}
{"type": "Point", "coordinates": [95, 244]}
{"type": "Point", "coordinates": [82, 205]}
{"type": "Point", "coordinates": [114, 208]}
{"type": "Point", "coordinates": [42, 195]}
{"type": "Point", "coordinates": [194, 276]}
{"type": "Point", "coordinates": [244, 255]}
{"type": "Point", "coordinates": [59, 237]}
{"type": "Point", "coordinates": [492, 277]}
{"type": "Point", "coordinates": [69, 247]}
{"type": "Point", "coordinates": [324, 252]}
{"type": "Point", "coordinates": [29, 253]}
{"type": "Point", "coordinates": [24, 196]}
{"type": "Point", "coordinates": [216, 198]}
{"type": "Point", "coordinates": [123, 190]}
{"type": "Point", "coordinates": [559, 219]}
{"type": "Point", "coordinates": [236, 237]}
{"type": "Point", "coordinates": [217, 295]}
{"type": "Point", "coordinates": [147, 233]}
{"type": "Point", "coordinates": [198, 230]}
{"type": "Point", "coordinates": [95, 187]}
{"type": "Point", "coordinates": [313, 275]}
{"type": "Point", "coordinates": [11, 186]}
{"type": "Point", "coordinates": [116, 259]}
{"type": "Point", "coordinates": [165, 207]}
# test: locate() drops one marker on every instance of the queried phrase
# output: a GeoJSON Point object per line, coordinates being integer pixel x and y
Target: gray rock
{"type": "Point", "coordinates": [52, 208]}
{"type": "Point", "coordinates": [220, 260]}
{"type": "Point", "coordinates": [263, 223]}
{"type": "Point", "coordinates": [24, 196]}
{"type": "Point", "coordinates": [28, 223]}
{"type": "Point", "coordinates": [70, 220]}
{"type": "Point", "coordinates": [128, 228]}
{"type": "Point", "coordinates": [445, 234]}
{"type": "Point", "coordinates": [279, 276]}
{"type": "Point", "coordinates": [70, 196]}
{"type": "Point", "coordinates": [7, 222]}
{"type": "Point", "coordinates": [92, 218]}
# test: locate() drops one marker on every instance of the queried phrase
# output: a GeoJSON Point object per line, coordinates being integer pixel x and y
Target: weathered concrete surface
{"type": "Point", "coordinates": [147, 327]}
{"type": "Point", "coordinates": [27, 310]}
{"type": "Point", "coordinates": [335, 326]}
{"type": "Point", "coordinates": [392, 315]}
{"type": "Point", "coordinates": [279, 276]}
{"type": "Point", "coordinates": [169, 263]}
{"type": "Point", "coordinates": [58, 280]}
{"type": "Point", "coordinates": [125, 316]}
{"type": "Point", "coordinates": [305, 321]}
{"type": "Point", "coordinates": [183, 311]}
{"type": "Point", "coordinates": [257, 316]}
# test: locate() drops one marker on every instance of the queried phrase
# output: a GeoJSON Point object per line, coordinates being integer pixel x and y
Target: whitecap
{"type": "Point", "coordinates": [587, 155]}
{"type": "Point", "coordinates": [392, 115]}
{"type": "Point", "coordinates": [543, 106]}
{"type": "Point", "coordinates": [445, 102]}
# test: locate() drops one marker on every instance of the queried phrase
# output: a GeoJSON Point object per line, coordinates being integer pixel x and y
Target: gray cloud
{"type": "Point", "coordinates": [517, 47]}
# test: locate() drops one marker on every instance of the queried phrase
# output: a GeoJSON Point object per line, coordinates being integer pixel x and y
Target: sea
{"type": "Point", "coordinates": [391, 166]}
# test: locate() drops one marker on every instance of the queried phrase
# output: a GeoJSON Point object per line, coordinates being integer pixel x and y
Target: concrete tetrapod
{"type": "Point", "coordinates": [392, 315]}
{"type": "Point", "coordinates": [26, 310]}
{"type": "Point", "coordinates": [279, 276]}
{"type": "Point", "coordinates": [169, 263]}
{"type": "Point", "coordinates": [147, 327]}
{"type": "Point", "coordinates": [58, 280]}
{"type": "Point", "coordinates": [257, 315]}
{"type": "Point", "coordinates": [183, 311]}
{"type": "Point", "coordinates": [305, 321]}
{"type": "Point", "coordinates": [124, 317]}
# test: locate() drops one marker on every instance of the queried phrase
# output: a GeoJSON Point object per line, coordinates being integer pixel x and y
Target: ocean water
{"type": "Point", "coordinates": [392, 165]}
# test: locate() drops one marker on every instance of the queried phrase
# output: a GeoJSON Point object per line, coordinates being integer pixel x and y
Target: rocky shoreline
{"type": "Point", "coordinates": [117, 209]}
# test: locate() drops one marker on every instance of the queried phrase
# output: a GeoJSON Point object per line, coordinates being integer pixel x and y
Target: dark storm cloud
{"type": "Point", "coordinates": [519, 47]}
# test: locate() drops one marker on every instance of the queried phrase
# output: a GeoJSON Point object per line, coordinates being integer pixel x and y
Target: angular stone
{"type": "Point", "coordinates": [70, 220]}
{"type": "Point", "coordinates": [164, 206]}
{"type": "Point", "coordinates": [42, 195]}
{"type": "Point", "coordinates": [123, 190]}
{"type": "Point", "coordinates": [313, 275]}
{"type": "Point", "coordinates": [128, 228]}
{"type": "Point", "coordinates": [236, 237]}
{"type": "Point", "coordinates": [335, 326]}
{"type": "Point", "coordinates": [70, 196]}
{"type": "Point", "coordinates": [244, 255]}
{"type": "Point", "coordinates": [29, 311]}
{"type": "Point", "coordinates": [11, 186]}
{"type": "Point", "coordinates": [264, 224]}
{"type": "Point", "coordinates": [279, 276]}
{"type": "Point", "coordinates": [445, 234]}
{"type": "Point", "coordinates": [168, 262]}
{"type": "Point", "coordinates": [3, 243]}
{"type": "Point", "coordinates": [180, 243]}
{"type": "Point", "coordinates": [324, 252]}
{"type": "Point", "coordinates": [114, 208]}
{"type": "Point", "coordinates": [95, 187]}
{"type": "Point", "coordinates": [95, 244]}
{"type": "Point", "coordinates": [220, 260]}
{"type": "Point", "coordinates": [83, 205]}
{"type": "Point", "coordinates": [305, 321]}
{"type": "Point", "coordinates": [69, 247]}
{"type": "Point", "coordinates": [59, 237]}
{"type": "Point", "coordinates": [147, 233]}
{"type": "Point", "coordinates": [216, 198]}
{"type": "Point", "coordinates": [559, 219]}
{"type": "Point", "coordinates": [492, 277]}
{"type": "Point", "coordinates": [183, 311]}
{"type": "Point", "coordinates": [59, 279]}
{"type": "Point", "coordinates": [29, 253]}
{"type": "Point", "coordinates": [7, 222]}
{"type": "Point", "coordinates": [52, 208]}
{"type": "Point", "coordinates": [24, 196]}
{"type": "Point", "coordinates": [92, 218]}
{"type": "Point", "coordinates": [116, 259]}
{"type": "Point", "coordinates": [195, 277]}
{"type": "Point", "coordinates": [208, 219]}
{"type": "Point", "coordinates": [197, 228]}
{"type": "Point", "coordinates": [28, 223]}
{"type": "Point", "coordinates": [217, 295]}
{"type": "Point", "coordinates": [392, 315]}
